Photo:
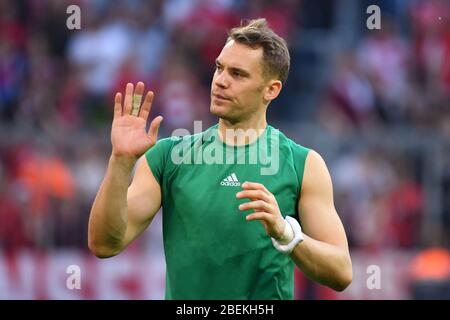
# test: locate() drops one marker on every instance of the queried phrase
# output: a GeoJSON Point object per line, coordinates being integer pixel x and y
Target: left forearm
{"type": "Point", "coordinates": [325, 263]}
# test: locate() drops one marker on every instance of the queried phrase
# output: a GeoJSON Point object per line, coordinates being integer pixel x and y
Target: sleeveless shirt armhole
{"type": "Point", "coordinates": [299, 154]}
{"type": "Point", "coordinates": [157, 158]}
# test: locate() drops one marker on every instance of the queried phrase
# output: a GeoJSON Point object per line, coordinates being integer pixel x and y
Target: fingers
{"type": "Point", "coordinates": [154, 127]}
{"type": "Point", "coordinates": [137, 98]}
{"type": "Point", "coordinates": [258, 205]}
{"type": "Point", "coordinates": [259, 216]}
{"type": "Point", "coordinates": [253, 195]}
{"type": "Point", "coordinates": [254, 186]}
{"type": "Point", "coordinates": [146, 106]}
{"type": "Point", "coordinates": [118, 105]}
{"type": "Point", "coordinates": [128, 99]}
{"type": "Point", "coordinates": [133, 99]}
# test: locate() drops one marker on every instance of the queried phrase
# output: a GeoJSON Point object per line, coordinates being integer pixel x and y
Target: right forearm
{"type": "Point", "coordinates": [108, 218]}
{"type": "Point", "coordinates": [108, 223]}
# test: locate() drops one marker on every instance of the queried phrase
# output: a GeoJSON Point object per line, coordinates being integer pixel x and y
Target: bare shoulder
{"type": "Point", "coordinates": [144, 187]}
{"type": "Point", "coordinates": [316, 174]}
{"type": "Point", "coordinates": [143, 174]}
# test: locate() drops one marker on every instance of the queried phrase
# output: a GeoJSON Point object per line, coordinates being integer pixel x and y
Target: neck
{"type": "Point", "coordinates": [242, 132]}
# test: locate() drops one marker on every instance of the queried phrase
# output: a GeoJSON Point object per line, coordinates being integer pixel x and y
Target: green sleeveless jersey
{"type": "Point", "coordinates": [211, 250]}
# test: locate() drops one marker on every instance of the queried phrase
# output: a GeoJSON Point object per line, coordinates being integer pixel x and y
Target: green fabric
{"type": "Point", "coordinates": [211, 251]}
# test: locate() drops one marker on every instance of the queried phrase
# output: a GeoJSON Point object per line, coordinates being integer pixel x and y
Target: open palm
{"type": "Point", "coordinates": [128, 133]}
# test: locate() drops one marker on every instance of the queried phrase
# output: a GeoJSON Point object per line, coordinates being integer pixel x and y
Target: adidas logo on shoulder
{"type": "Point", "coordinates": [230, 181]}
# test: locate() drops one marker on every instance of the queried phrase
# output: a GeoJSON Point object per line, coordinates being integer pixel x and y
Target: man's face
{"type": "Point", "coordinates": [238, 83]}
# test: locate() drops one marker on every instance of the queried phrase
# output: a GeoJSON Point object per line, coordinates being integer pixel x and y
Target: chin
{"type": "Point", "coordinates": [217, 110]}
{"type": "Point", "coordinates": [224, 111]}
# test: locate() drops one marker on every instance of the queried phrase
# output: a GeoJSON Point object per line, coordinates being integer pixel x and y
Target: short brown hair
{"type": "Point", "coordinates": [255, 34]}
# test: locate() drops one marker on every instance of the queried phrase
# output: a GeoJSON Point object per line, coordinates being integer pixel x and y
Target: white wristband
{"type": "Point", "coordinates": [288, 234]}
{"type": "Point", "coordinates": [298, 237]}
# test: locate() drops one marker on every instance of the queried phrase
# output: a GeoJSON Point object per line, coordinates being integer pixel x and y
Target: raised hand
{"type": "Point", "coordinates": [128, 135]}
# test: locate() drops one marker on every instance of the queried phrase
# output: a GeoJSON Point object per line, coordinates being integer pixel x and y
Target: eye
{"type": "Point", "coordinates": [237, 74]}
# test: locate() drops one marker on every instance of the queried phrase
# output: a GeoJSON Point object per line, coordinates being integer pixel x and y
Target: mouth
{"type": "Point", "coordinates": [220, 97]}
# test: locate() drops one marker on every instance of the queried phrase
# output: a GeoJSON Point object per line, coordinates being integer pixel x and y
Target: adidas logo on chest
{"type": "Point", "coordinates": [230, 181]}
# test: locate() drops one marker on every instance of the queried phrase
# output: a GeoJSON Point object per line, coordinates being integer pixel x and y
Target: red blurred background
{"type": "Point", "coordinates": [374, 103]}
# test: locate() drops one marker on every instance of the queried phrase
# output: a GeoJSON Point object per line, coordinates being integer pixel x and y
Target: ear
{"type": "Point", "coordinates": [272, 90]}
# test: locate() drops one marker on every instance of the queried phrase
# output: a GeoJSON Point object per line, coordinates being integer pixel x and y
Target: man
{"type": "Point", "coordinates": [215, 247]}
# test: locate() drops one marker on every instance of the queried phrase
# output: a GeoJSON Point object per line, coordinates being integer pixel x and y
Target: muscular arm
{"type": "Point", "coordinates": [120, 213]}
{"type": "Point", "coordinates": [323, 255]}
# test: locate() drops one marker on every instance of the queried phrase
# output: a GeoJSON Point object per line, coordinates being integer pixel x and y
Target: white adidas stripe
{"type": "Point", "coordinates": [231, 180]}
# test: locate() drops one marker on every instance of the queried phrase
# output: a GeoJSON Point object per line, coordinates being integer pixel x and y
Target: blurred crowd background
{"type": "Point", "coordinates": [374, 103]}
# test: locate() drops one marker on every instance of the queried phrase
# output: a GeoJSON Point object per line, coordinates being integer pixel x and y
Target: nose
{"type": "Point", "coordinates": [221, 81]}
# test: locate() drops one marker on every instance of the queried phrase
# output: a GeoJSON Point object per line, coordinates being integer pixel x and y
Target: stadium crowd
{"type": "Point", "coordinates": [390, 87]}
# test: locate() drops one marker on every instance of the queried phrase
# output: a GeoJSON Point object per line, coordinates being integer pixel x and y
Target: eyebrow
{"type": "Point", "coordinates": [243, 71]}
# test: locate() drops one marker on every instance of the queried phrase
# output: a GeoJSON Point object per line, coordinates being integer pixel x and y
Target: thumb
{"type": "Point", "coordinates": [154, 127]}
